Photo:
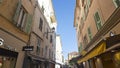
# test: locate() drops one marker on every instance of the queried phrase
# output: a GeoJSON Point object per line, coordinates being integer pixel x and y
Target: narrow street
{"type": "Point", "coordinates": [59, 33]}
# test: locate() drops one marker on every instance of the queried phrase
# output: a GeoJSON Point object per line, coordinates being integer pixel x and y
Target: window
{"type": "Point", "coordinates": [46, 48]}
{"type": "Point", "coordinates": [79, 31]}
{"type": "Point", "coordinates": [82, 2]}
{"type": "Point", "coordinates": [89, 33]}
{"type": "Point", "coordinates": [22, 19]}
{"type": "Point", "coordinates": [42, 51]}
{"type": "Point", "coordinates": [41, 24]}
{"type": "Point", "coordinates": [1, 1]}
{"type": "Point", "coordinates": [47, 34]}
{"type": "Point", "coordinates": [51, 40]}
{"type": "Point", "coordinates": [117, 3]}
{"type": "Point", "coordinates": [89, 2]}
{"type": "Point", "coordinates": [86, 11]}
{"type": "Point", "coordinates": [80, 47]}
{"type": "Point", "coordinates": [43, 9]}
{"type": "Point", "coordinates": [38, 46]}
{"type": "Point", "coordinates": [49, 53]}
{"type": "Point", "coordinates": [98, 20]}
{"type": "Point", "coordinates": [82, 21]}
{"type": "Point", "coordinates": [85, 41]}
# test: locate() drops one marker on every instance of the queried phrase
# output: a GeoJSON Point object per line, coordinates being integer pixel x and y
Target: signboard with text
{"type": "Point", "coordinates": [1, 41]}
{"type": "Point", "coordinates": [27, 48]}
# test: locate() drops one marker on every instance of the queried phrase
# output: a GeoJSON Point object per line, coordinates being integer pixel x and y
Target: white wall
{"type": "Point", "coordinates": [59, 54]}
{"type": "Point", "coordinates": [49, 11]}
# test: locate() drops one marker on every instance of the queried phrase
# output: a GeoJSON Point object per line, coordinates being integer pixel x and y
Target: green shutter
{"type": "Point", "coordinates": [0, 1]}
{"type": "Point", "coordinates": [80, 48]}
{"type": "Point", "coordinates": [117, 3]}
{"type": "Point", "coordinates": [88, 3]}
{"type": "Point", "coordinates": [16, 15]}
{"type": "Point", "coordinates": [89, 33]}
{"type": "Point", "coordinates": [28, 23]}
{"type": "Point", "coordinates": [97, 20]}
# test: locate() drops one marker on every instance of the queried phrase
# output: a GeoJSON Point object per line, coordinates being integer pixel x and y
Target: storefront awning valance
{"type": "Point", "coordinates": [96, 51]}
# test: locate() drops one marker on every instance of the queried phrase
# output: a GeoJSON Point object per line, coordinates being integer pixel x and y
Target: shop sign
{"type": "Point", "coordinates": [27, 48]}
{"type": "Point", "coordinates": [1, 41]}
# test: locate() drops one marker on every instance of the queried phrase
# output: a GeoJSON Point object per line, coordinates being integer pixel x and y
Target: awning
{"type": "Point", "coordinates": [36, 58]}
{"type": "Point", "coordinates": [99, 49]}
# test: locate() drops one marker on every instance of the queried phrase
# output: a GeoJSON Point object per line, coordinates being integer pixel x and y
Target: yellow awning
{"type": "Point", "coordinates": [96, 51]}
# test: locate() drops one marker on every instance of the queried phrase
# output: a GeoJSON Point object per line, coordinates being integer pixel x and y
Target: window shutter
{"type": "Point", "coordinates": [0, 1]}
{"type": "Point", "coordinates": [97, 20]}
{"type": "Point", "coordinates": [15, 18]}
{"type": "Point", "coordinates": [88, 3]}
{"type": "Point", "coordinates": [28, 23]}
{"type": "Point", "coordinates": [80, 48]}
{"type": "Point", "coordinates": [117, 3]}
{"type": "Point", "coordinates": [89, 33]}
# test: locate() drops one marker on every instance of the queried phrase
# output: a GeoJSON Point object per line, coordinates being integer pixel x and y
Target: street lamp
{"type": "Point", "coordinates": [53, 30]}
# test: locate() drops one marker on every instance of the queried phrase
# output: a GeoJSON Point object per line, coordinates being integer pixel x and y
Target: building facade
{"type": "Point", "coordinates": [70, 57]}
{"type": "Point", "coordinates": [97, 26]}
{"type": "Point", "coordinates": [42, 38]}
{"type": "Point", "coordinates": [15, 26]}
{"type": "Point", "coordinates": [58, 54]}
{"type": "Point", "coordinates": [49, 13]}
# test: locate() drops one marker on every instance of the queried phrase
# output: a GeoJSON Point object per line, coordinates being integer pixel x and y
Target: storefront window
{"type": "Point", "coordinates": [117, 59]}
{"type": "Point", "coordinates": [7, 62]}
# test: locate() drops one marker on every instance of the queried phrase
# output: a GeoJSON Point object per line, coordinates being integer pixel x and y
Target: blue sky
{"type": "Point", "coordinates": [64, 10]}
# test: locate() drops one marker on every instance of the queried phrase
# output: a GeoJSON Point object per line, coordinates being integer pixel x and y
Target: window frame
{"type": "Point", "coordinates": [51, 38]}
{"type": "Point", "coordinates": [47, 34]}
{"type": "Point", "coordinates": [38, 46]}
{"type": "Point", "coordinates": [22, 18]}
{"type": "Point", "coordinates": [116, 5]}
{"type": "Point", "coordinates": [98, 22]}
{"type": "Point", "coordinates": [80, 47]}
{"type": "Point", "coordinates": [89, 33]}
{"type": "Point", "coordinates": [41, 24]}
{"type": "Point", "coordinates": [1, 1]}
{"type": "Point", "coordinates": [85, 40]}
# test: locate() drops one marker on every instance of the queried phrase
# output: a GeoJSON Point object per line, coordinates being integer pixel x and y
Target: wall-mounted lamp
{"type": "Point", "coordinates": [53, 30]}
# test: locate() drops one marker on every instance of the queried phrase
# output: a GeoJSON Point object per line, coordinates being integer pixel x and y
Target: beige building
{"type": "Point", "coordinates": [97, 26]}
{"type": "Point", "coordinates": [72, 55]}
{"type": "Point", "coordinates": [15, 25]}
{"type": "Point", "coordinates": [41, 37]}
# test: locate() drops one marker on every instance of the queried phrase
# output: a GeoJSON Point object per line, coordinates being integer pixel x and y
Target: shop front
{"type": "Point", "coordinates": [106, 54]}
{"type": "Point", "coordinates": [32, 61]}
{"type": "Point", "coordinates": [7, 58]}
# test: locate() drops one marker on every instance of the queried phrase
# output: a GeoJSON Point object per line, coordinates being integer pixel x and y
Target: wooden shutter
{"type": "Point", "coordinates": [17, 12]}
{"type": "Point", "coordinates": [117, 3]}
{"type": "Point", "coordinates": [97, 20]}
{"type": "Point", "coordinates": [0, 1]}
{"type": "Point", "coordinates": [89, 33]}
{"type": "Point", "coordinates": [28, 23]}
{"type": "Point", "coordinates": [88, 3]}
